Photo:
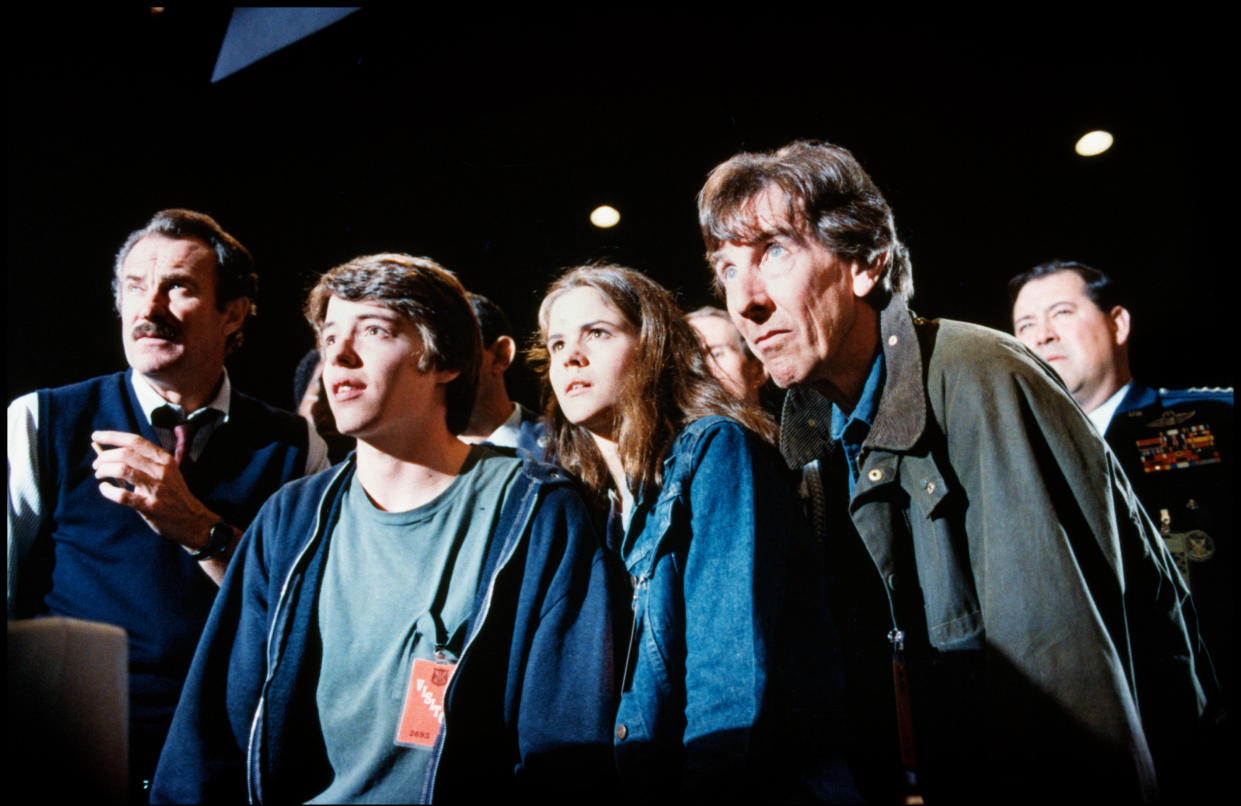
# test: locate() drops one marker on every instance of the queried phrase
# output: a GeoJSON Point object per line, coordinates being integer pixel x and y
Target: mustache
{"type": "Point", "coordinates": [157, 328]}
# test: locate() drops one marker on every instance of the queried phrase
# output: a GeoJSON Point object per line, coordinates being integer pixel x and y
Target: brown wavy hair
{"type": "Point", "coordinates": [668, 387]}
{"type": "Point", "coordinates": [829, 196]}
{"type": "Point", "coordinates": [432, 299]}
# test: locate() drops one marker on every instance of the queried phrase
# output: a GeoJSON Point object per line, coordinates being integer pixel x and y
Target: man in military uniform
{"type": "Point", "coordinates": [1175, 445]}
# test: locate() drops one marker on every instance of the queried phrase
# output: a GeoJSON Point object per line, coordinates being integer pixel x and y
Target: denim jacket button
{"type": "Point", "coordinates": [621, 732]}
{"type": "Point", "coordinates": [875, 474]}
{"type": "Point", "coordinates": [633, 581]}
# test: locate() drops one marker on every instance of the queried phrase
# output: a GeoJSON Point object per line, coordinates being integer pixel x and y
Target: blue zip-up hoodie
{"type": "Point", "coordinates": [529, 709]}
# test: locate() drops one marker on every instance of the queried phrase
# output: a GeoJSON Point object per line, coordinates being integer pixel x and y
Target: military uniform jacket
{"type": "Point", "coordinates": [1176, 448]}
{"type": "Point", "coordinates": [1035, 605]}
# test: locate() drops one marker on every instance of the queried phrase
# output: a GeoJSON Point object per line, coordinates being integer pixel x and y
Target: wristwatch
{"type": "Point", "coordinates": [217, 542]}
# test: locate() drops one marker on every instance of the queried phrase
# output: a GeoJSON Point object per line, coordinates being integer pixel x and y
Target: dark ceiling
{"type": "Point", "coordinates": [485, 140]}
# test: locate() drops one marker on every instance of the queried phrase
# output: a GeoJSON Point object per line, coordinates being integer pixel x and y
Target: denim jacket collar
{"type": "Point", "coordinates": [653, 505]}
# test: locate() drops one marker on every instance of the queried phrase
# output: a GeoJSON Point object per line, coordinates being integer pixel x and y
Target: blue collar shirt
{"type": "Point", "coordinates": [851, 429]}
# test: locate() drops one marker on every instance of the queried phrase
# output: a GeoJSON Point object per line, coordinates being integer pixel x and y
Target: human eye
{"type": "Point", "coordinates": [775, 253]}
{"type": "Point", "coordinates": [555, 345]}
{"type": "Point", "coordinates": [1062, 310]}
{"type": "Point", "coordinates": [378, 331]}
{"type": "Point", "coordinates": [598, 333]}
{"type": "Point", "coordinates": [180, 284]}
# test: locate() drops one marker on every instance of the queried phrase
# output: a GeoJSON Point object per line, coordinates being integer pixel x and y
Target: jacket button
{"type": "Point", "coordinates": [633, 580]}
{"type": "Point", "coordinates": [621, 732]}
{"type": "Point", "coordinates": [875, 474]}
{"type": "Point", "coordinates": [930, 488]}
{"type": "Point", "coordinates": [892, 340]}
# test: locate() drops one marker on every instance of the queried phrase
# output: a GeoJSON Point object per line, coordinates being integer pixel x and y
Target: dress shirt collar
{"type": "Point", "coordinates": [508, 432]}
{"type": "Point", "coordinates": [1102, 416]}
{"type": "Point", "coordinates": [150, 400]}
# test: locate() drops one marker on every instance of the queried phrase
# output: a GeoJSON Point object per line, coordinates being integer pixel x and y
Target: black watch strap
{"type": "Point", "coordinates": [218, 540]}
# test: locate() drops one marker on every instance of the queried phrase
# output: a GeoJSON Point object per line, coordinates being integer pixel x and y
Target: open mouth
{"type": "Point", "coordinates": [344, 390]}
{"type": "Point", "coordinates": [576, 387]}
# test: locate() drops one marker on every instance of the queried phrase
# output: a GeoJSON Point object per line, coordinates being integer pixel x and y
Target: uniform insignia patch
{"type": "Point", "coordinates": [1177, 448]}
{"type": "Point", "coordinates": [1199, 546]}
{"type": "Point", "coordinates": [1171, 418]}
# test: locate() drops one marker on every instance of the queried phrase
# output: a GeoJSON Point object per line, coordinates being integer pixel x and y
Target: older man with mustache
{"type": "Point", "coordinates": [128, 492]}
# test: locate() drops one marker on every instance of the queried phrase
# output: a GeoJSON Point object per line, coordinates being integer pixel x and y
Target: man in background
{"type": "Point", "coordinates": [1174, 445]}
{"type": "Point", "coordinates": [496, 418]}
{"type": "Point", "coordinates": [128, 492]}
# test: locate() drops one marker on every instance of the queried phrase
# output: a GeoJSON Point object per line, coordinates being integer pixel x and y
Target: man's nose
{"type": "Point", "coordinates": [748, 298]}
{"type": "Point", "coordinates": [1046, 333]}
{"type": "Point", "coordinates": [152, 300]}
{"type": "Point", "coordinates": [341, 353]}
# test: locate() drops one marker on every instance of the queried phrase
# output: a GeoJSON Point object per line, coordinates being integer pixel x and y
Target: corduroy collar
{"type": "Point", "coordinates": [806, 419]}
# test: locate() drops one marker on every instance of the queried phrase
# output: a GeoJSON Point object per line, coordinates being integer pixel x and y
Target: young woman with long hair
{"type": "Point", "coordinates": [730, 679]}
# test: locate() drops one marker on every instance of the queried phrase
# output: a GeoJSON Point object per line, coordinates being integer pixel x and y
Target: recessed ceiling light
{"type": "Point", "coordinates": [1092, 144]}
{"type": "Point", "coordinates": [604, 216]}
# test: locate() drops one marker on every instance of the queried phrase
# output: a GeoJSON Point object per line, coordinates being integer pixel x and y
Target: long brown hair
{"type": "Point", "coordinates": [668, 387]}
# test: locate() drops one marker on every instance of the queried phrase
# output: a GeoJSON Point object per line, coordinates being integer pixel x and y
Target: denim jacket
{"type": "Point", "coordinates": [731, 679]}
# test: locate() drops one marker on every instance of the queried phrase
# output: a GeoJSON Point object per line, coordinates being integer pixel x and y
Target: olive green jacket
{"type": "Point", "coordinates": [1042, 618]}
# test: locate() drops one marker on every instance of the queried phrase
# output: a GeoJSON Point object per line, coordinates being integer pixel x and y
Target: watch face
{"type": "Point", "coordinates": [217, 542]}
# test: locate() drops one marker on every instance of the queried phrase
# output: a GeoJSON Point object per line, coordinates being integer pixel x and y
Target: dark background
{"type": "Point", "coordinates": [484, 140]}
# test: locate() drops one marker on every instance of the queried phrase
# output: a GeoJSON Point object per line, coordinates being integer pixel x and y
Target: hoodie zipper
{"type": "Point", "coordinates": [253, 785]}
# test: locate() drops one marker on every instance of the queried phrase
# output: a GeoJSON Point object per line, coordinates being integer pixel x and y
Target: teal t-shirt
{"type": "Point", "coordinates": [397, 586]}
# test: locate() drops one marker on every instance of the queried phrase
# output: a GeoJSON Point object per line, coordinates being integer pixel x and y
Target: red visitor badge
{"type": "Point", "coordinates": [424, 703]}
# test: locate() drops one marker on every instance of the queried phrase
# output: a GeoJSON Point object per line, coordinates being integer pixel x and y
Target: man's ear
{"type": "Point", "coordinates": [1119, 317]}
{"type": "Point", "coordinates": [443, 377]}
{"type": "Point", "coordinates": [503, 351]}
{"type": "Point", "coordinates": [235, 313]}
{"type": "Point", "coordinates": [866, 276]}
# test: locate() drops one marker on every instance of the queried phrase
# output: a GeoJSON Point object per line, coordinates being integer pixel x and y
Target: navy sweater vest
{"type": "Point", "coordinates": [98, 560]}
